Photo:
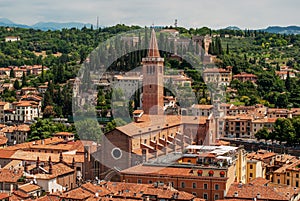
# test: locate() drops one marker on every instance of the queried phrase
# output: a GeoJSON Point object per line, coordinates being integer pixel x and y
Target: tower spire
{"type": "Point", "coordinates": [153, 47]}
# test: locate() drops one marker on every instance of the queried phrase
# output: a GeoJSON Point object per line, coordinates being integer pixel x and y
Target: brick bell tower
{"type": "Point", "coordinates": [153, 75]}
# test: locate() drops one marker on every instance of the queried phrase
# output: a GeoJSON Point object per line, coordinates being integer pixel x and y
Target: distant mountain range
{"type": "Point", "coordinates": [274, 29]}
{"type": "Point", "coordinates": [233, 28]}
{"type": "Point", "coordinates": [283, 30]}
{"type": "Point", "coordinates": [68, 25]}
{"type": "Point", "coordinates": [45, 25]}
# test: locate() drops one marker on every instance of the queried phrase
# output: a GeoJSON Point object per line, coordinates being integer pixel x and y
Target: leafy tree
{"type": "Point", "coordinates": [284, 131]}
{"type": "Point", "coordinates": [262, 134]}
{"type": "Point", "coordinates": [282, 101]}
{"type": "Point", "coordinates": [114, 123]}
{"type": "Point", "coordinates": [296, 125]}
{"type": "Point", "coordinates": [45, 128]}
{"type": "Point", "coordinates": [88, 129]}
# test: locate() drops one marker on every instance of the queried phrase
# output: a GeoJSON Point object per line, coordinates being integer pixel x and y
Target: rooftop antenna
{"type": "Point", "coordinates": [97, 22]}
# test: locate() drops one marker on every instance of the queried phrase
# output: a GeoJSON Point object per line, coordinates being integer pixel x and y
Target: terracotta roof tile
{"type": "Point", "coordinates": [21, 194]}
{"type": "Point", "coordinates": [76, 194]}
{"type": "Point", "coordinates": [203, 107]}
{"type": "Point", "coordinates": [248, 191]}
{"type": "Point", "coordinates": [58, 170]}
{"type": "Point", "coordinates": [32, 156]}
{"type": "Point", "coordinates": [3, 140]}
{"type": "Point", "coordinates": [259, 181]}
{"type": "Point", "coordinates": [10, 176]}
{"type": "Point", "coordinates": [3, 196]}
{"type": "Point", "coordinates": [27, 188]}
{"type": "Point", "coordinates": [63, 134]}
{"type": "Point", "coordinates": [158, 122]}
{"type": "Point", "coordinates": [48, 198]}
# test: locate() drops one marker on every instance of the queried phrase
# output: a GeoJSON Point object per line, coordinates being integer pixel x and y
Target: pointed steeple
{"type": "Point", "coordinates": [153, 47]}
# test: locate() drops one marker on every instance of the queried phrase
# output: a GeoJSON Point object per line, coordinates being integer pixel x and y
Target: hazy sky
{"type": "Point", "coordinates": [190, 13]}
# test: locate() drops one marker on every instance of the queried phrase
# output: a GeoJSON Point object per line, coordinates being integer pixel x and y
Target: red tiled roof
{"type": "Point", "coordinates": [248, 191]}
{"type": "Point", "coordinates": [259, 181]}
{"type": "Point", "coordinates": [21, 194]}
{"type": "Point", "coordinates": [245, 75]}
{"type": "Point", "coordinates": [76, 194]}
{"type": "Point", "coordinates": [3, 196]}
{"type": "Point", "coordinates": [215, 70]}
{"type": "Point", "coordinates": [58, 170]}
{"type": "Point", "coordinates": [63, 133]}
{"type": "Point", "coordinates": [10, 176]}
{"type": "Point", "coordinates": [158, 122]}
{"type": "Point", "coordinates": [28, 188]}
{"type": "Point", "coordinates": [203, 107]}
{"type": "Point", "coordinates": [48, 198]}
{"type": "Point", "coordinates": [3, 140]}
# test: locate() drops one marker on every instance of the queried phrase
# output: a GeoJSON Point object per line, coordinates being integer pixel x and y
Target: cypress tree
{"type": "Point", "coordinates": [288, 82]}
{"type": "Point", "coordinates": [16, 84]}
{"type": "Point", "coordinates": [11, 73]}
{"type": "Point", "coordinates": [227, 49]}
{"type": "Point", "coordinates": [24, 83]}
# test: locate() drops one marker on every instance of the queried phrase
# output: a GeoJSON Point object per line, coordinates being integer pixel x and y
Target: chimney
{"type": "Point", "coordinates": [144, 155]}
{"type": "Point", "coordinates": [165, 150]}
{"type": "Point", "coordinates": [73, 163]}
{"type": "Point", "coordinates": [182, 142]}
{"type": "Point", "coordinates": [174, 145]}
{"type": "Point", "coordinates": [137, 114]}
{"type": "Point", "coordinates": [50, 168]}
{"type": "Point", "coordinates": [156, 153]}
{"type": "Point", "coordinates": [37, 162]}
{"type": "Point", "coordinates": [258, 196]}
{"type": "Point", "coordinates": [61, 157]}
{"type": "Point", "coordinates": [25, 166]}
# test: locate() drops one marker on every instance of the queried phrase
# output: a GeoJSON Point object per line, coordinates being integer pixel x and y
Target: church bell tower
{"type": "Point", "coordinates": [153, 83]}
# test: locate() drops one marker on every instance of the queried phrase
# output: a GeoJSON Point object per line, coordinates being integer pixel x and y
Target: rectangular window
{"type": "Point", "coordinates": [251, 166]}
{"type": "Point", "coordinates": [216, 186]}
{"type": "Point", "coordinates": [182, 185]}
{"type": "Point", "coordinates": [288, 174]}
{"type": "Point", "coordinates": [278, 181]}
{"type": "Point", "coordinates": [251, 175]}
{"type": "Point", "coordinates": [287, 182]}
{"type": "Point", "coordinates": [139, 181]}
{"type": "Point", "coordinates": [150, 181]}
{"type": "Point", "coordinates": [216, 196]}
{"type": "Point", "coordinates": [205, 186]}
{"type": "Point", "coordinates": [205, 196]}
{"type": "Point", "coordinates": [297, 175]}
{"type": "Point", "coordinates": [194, 185]}
{"type": "Point", "coordinates": [297, 184]}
